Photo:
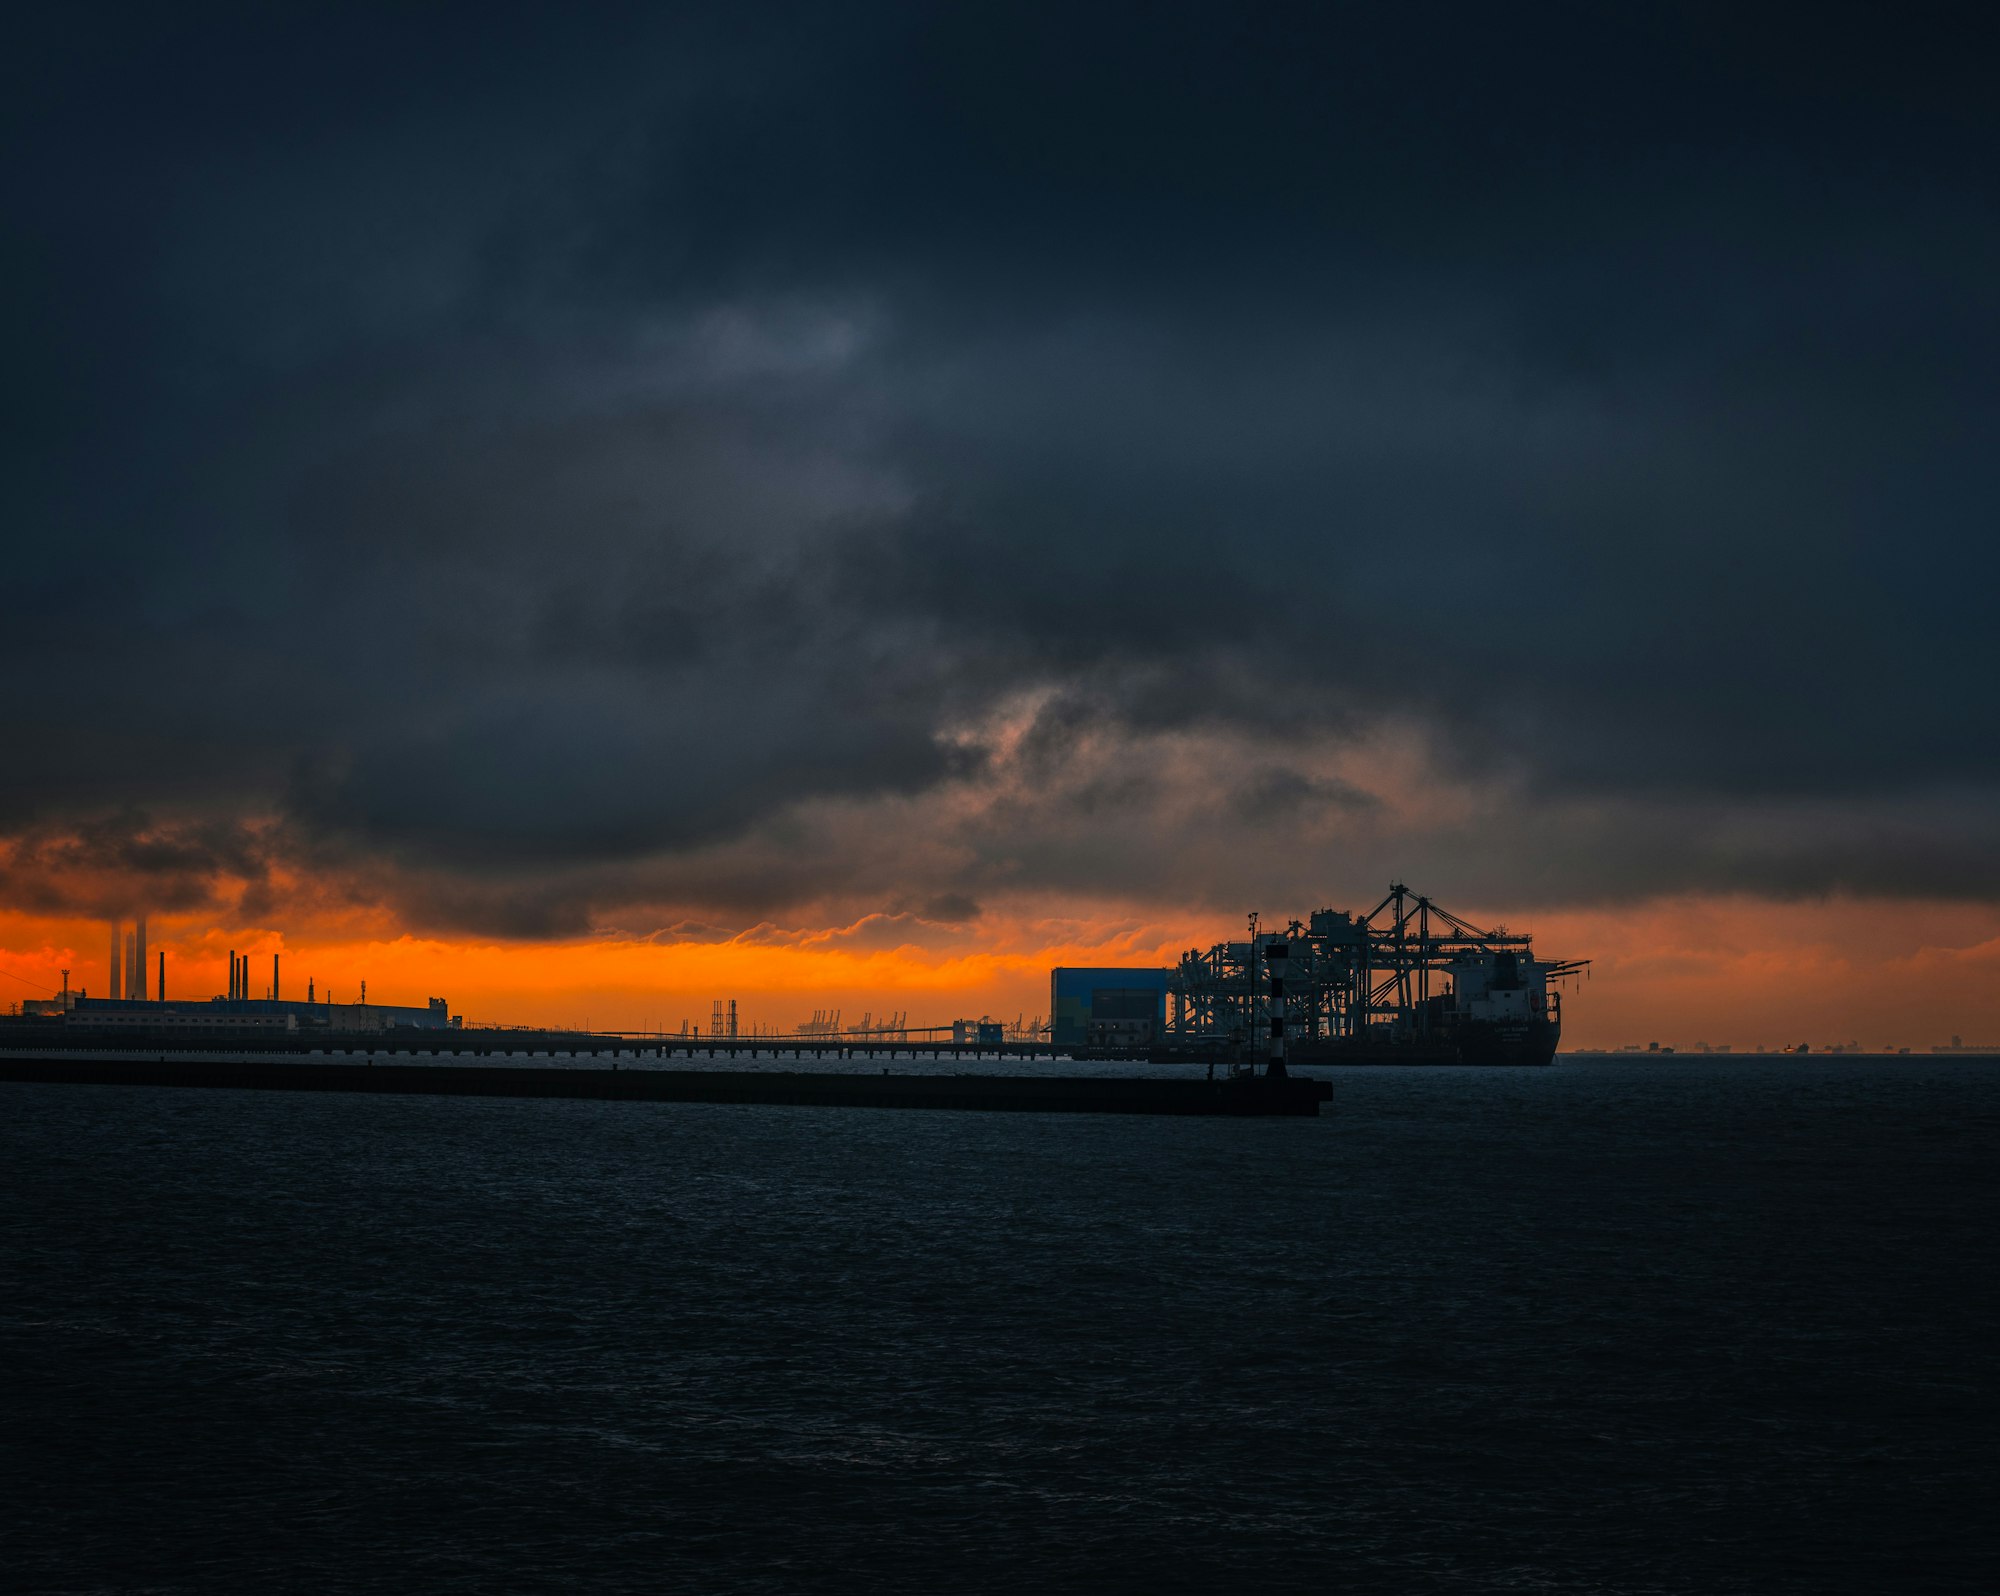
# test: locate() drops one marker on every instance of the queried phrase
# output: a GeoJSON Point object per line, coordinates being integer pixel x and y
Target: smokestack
{"type": "Point", "coordinates": [117, 957]}
{"type": "Point", "coordinates": [163, 977]}
{"type": "Point", "coordinates": [232, 975]}
{"type": "Point", "coordinates": [139, 959]}
{"type": "Point", "coordinates": [274, 978]}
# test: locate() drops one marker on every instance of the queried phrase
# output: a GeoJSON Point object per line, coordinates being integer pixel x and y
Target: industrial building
{"type": "Point", "coordinates": [128, 1008]}
{"type": "Point", "coordinates": [257, 1014]}
{"type": "Point", "coordinates": [1115, 1007]}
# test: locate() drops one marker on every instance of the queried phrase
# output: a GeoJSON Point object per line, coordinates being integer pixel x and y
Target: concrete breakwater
{"type": "Point", "coordinates": [1249, 1096]}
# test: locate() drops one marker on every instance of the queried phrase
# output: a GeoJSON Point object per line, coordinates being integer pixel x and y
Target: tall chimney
{"type": "Point", "coordinates": [232, 975]}
{"type": "Point", "coordinates": [117, 958]}
{"type": "Point", "coordinates": [274, 978]}
{"type": "Point", "coordinates": [139, 959]}
{"type": "Point", "coordinates": [163, 977]}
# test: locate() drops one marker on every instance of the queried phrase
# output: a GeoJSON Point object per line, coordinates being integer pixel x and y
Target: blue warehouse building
{"type": "Point", "coordinates": [1110, 1007]}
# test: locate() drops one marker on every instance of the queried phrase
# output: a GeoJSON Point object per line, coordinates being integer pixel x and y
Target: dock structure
{"type": "Point", "coordinates": [1231, 1096]}
{"type": "Point", "coordinates": [484, 1042]}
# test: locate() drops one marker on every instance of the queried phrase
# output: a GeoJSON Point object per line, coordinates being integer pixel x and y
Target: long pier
{"type": "Point", "coordinates": [1236, 1096]}
{"type": "Point", "coordinates": [455, 1043]}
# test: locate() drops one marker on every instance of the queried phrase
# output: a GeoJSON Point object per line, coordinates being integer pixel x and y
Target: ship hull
{"type": "Point", "coordinates": [1490, 1042]}
{"type": "Point", "coordinates": [1481, 1042]}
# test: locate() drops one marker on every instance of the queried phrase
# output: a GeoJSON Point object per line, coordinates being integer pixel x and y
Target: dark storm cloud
{"type": "Point", "coordinates": [525, 456]}
{"type": "Point", "coordinates": [122, 862]}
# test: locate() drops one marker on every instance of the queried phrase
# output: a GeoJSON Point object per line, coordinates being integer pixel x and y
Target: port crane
{"type": "Point", "coordinates": [1385, 972]}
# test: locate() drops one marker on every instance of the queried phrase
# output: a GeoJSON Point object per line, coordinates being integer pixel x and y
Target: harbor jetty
{"type": "Point", "coordinates": [1236, 1095]}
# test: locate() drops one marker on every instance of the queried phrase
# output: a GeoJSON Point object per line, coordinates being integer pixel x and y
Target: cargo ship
{"type": "Point", "coordinates": [1406, 983]}
{"type": "Point", "coordinates": [1502, 1009]}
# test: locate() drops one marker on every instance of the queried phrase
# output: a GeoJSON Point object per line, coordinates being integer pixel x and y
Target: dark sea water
{"type": "Point", "coordinates": [1609, 1327]}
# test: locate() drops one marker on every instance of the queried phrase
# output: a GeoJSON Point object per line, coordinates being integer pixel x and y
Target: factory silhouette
{"type": "Point", "coordinates": [128, 1009]}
